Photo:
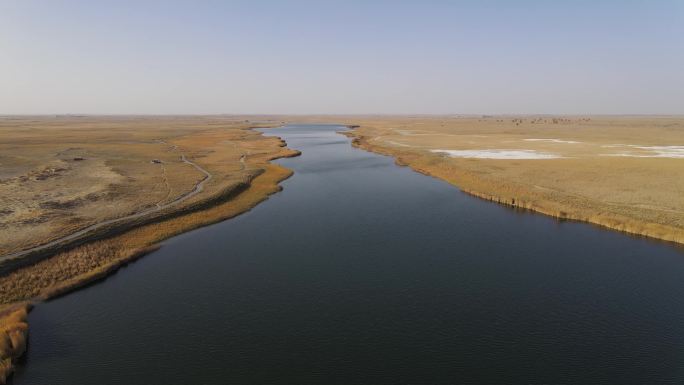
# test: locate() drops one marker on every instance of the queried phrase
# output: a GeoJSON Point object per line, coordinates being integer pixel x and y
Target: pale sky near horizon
{"type": "Point", "coordinates": [328, 57]}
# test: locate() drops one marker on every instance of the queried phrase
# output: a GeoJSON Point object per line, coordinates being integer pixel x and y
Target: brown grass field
{"type": "Point", "coordinates": [13, 337]}
{"type": "Point", "coordinates": [625, 173]}
{"type": "Point", "coordinates": [58, 175]}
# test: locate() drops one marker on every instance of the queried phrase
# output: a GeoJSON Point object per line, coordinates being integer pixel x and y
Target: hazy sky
{"type": "Point", "coordinates": [193, 57]}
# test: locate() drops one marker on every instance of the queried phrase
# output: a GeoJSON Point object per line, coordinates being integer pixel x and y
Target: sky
{"type": "Point", "coordinates": [342, 57]}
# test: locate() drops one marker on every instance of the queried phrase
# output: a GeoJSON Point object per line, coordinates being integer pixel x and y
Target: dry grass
{"type": "Point", "coordinates": [13, 335]}
{"type": "Point", "coordinates": [235, 156]}
{"type": "Point", "coordinates": [73, 268]}
{"type": "Point", "coordinates": [58, 175]}
{"type": "Point", "coordinates": [606, 173]}
{"type": "Point", "coordinates": [32, 282]}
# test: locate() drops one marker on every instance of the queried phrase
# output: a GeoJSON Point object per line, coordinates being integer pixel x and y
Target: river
{"type": "Point", "coordinates": [364, 272]}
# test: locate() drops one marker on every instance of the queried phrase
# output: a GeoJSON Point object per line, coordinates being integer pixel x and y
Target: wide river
{"type": "Point", "coordinates": [363, 272]}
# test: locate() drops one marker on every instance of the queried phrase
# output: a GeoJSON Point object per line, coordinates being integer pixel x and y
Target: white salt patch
{"type": "Point", "coordinates": [614, 145]}
{"type": "Point", "coordinates": [430, 133]}
{"type": "Point", "coordinates": [552, 141]}
{"type": "Point", "coordinates": [626, 154]}
{"type": "Point", "coordinates": [656, 152]}
{"type": "Point", "coordinates": [499, 154]}
{"type": "Point", "coordinates": [665, 151]}
{"type": "Point", "coordinates": [408, 133]}
{"type": "Point", "coordinates": [397, 143]}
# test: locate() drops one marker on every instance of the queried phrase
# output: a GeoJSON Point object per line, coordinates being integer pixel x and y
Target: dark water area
{"type": "Point", "coordinates": [363, 272]}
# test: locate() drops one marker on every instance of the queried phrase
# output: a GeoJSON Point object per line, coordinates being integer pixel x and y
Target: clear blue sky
{"type": "Point", "coordinates": [178, 57]}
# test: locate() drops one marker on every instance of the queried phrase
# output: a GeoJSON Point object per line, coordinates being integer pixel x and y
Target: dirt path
{"type": "Point", "coordinates": [196, 190]}
{"type": "Point", "coordinates": [165, 179]}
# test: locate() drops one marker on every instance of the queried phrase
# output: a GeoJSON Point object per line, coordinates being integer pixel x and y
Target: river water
{"type": "Point", "coordinates": [363, 272]}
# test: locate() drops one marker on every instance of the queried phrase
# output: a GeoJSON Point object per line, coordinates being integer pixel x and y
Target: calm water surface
{"type": "Point", "coordinates": [362, 272]}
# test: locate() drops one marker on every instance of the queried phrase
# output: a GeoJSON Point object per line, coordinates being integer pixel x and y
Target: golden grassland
{"type": "Point", "coordinates": [13, 335]}
{"type": "Point", "coordinates": [61, 174]}
{"type": "Point", "coordinates": [225, 147]}
{"type": "Point", "coordinates": [624, 173]}
{"type": "Point", "coordinates": [74, 268]}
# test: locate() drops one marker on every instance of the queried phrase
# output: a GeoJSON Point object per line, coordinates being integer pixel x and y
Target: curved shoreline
{"type": "Point", "coordinates": [146, 230]}
{"type": "Point", "coordinates": [73, 238]}
{"type": "Point", "coordinates": [612, 222]}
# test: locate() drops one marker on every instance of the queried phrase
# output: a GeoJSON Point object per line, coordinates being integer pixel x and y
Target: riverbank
{"type": "Point", "coordinates": [101, 253]}
{"type": "Point", "coordinates": [62, 177]}
{"type": "Point", "coordinates": [632, 194]}
{"type": "Point", "coordinates": [89, 263]}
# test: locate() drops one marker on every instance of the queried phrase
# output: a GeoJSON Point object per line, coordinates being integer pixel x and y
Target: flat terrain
{"type": "Point", "coordinates": [62, 174]}
{"type": "Point", "coordinates": [625, 173]}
